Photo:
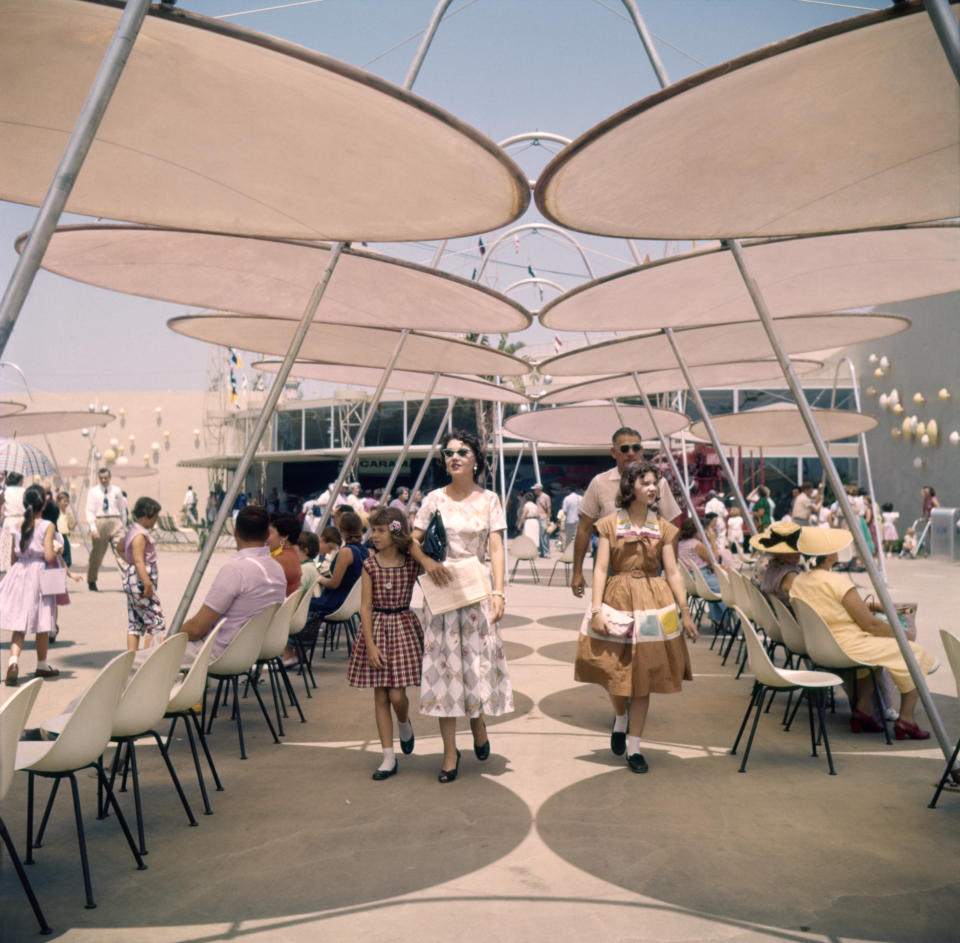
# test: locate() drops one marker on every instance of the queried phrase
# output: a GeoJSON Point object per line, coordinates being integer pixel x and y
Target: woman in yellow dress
{"type": "Point", "coordinates": [857, 630]}
{"type": "Point", "coordinates": [631, 641]}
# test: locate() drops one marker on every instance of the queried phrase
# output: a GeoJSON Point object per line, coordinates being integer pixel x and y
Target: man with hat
{"type": "Point", "coordinates": [780, 541]}
{"type": "Point", "coordinates": [543, 517]}
{"type": "Point", "coordinates": [599, 499]}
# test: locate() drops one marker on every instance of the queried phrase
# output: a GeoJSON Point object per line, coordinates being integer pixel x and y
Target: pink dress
{"type": "Point", "coordinates": [23, 608]}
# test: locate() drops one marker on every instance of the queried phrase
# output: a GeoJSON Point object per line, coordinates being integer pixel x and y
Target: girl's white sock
{"type": "Point", "coordinates": [405, 729]}
{"type": "Point", "coordinates": [633, 745]}
{"type": "Point", "coordinates": [620, 723]}
{"type": "Point", "coordinates": [389, 759]}
{"type": "Point", "coordinates": [43, 664]}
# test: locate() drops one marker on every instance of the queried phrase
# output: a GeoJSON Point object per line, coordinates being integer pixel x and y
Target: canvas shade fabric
{"type": "Point", "coordinates": [724, 343]}
{"type": "Point", "coordinates": [796, 276]}
{"type": "Point", "coordinates": [221, 128]}
{"type": "Point", "coordinates": [53, 421]}
{"type": "Point", "coordinates": [345, 344]}
{"type": "Point", "coordinates": [782, 425]}
{"type": "Point", "coordinates": [723, 375]}
{"type": "Point", "coordinates": [10, 408]}
{"type": "Point", "coordinates": [854, 125]}
{"type": "Point", "coordinates": [590, 424]}
{"type": "Point", "coordinates": [404, 381]}
{"type": "Point", "coordinates": [276, 278]}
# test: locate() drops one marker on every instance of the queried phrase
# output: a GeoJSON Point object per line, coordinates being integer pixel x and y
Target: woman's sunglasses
{"type": "Point", "coordinates": [632, 447]}
{"type": "Point", "coordinates": [463, 453]}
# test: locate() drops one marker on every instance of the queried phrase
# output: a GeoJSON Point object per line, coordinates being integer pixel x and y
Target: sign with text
{"type": "Point", "coordinates": [382, 466]}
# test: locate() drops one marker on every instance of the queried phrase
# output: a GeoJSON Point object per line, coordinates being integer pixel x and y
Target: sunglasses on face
{"type": "Point", "coordinates": [463, 453]}
{"type": "Point", "coordinates": [633, 447]}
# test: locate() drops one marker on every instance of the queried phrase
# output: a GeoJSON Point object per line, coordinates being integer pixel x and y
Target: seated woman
{"type": "Point", "coordinates": [282, 541]}
{"type": "Point", "coordinates": [345, 571]}
{"type": "Point", "coordinates": [857, 630]}
{"type": "Point", "coordinates": [692, 553]}
{"type": "Point", "coordinates": [780, 541]}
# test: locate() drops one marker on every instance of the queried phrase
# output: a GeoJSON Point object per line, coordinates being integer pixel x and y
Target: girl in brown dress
{"type": "Point", "coordinates": [631, 641]}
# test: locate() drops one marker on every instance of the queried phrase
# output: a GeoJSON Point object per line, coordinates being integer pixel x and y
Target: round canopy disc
{"type": "Point", "coordinates": [782, 425]}
{"type": "Point", "coordinates": [54, 421]}
{"type": "Point", "coordinates": [345, 344]}
{"type": "Point", "coordinates": [590, 424]}
{"type": "Point", "coordinates": [276, 278]}
{"type": "Point", "coordinates": [9, 408]}
{"type": "Point", "coordinates": [403, 381]}
{"type": "Point", "coordinates": [220, 128]}
{"type": "Point", "coordinates": [854, 125]}
{"type": "Point", "coordinates": [724, 343]}
{"type": "Point", "coordinates": [723, 375]}
{"type": "Point", "coordinates": [817, 273]}
{"type": "Point", "coordinates": [116, 471]}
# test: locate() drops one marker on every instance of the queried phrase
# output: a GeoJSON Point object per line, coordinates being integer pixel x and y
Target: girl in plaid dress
{"type": "Point", "coordinates": [388, 656]}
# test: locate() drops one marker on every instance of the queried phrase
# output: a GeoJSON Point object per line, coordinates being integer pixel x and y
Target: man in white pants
{"type": "Point", "coordinates": [107, 519]}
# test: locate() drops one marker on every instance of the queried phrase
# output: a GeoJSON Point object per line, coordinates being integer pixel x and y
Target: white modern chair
{"type": "Point", "coordinates": [951, 645]}
{"type": "Point", "coordinates": [298, 622]}
{"type": "Point", "coordinates": [768, 676]}
{"type": "Point", "coordinates": [523, 549]}
{"type": "Point", "coordinates": [13, 717]}
{"type": "Point", "coordinates": [80, 745]}
{"type": "Point", "coordinates": [183, 700]}
{"type": "Point", "coordinates": [235, 661]}
{"type": "Point", "coordinates": [825, 652]}
{"type": "Point", "coordinates": [347, 618]}
{"type": "Point", "coordinates": [566, 558]}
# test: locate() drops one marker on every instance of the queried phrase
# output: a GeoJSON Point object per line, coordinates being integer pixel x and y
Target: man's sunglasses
{"type": "Point", "coordinates": [632, 447]}
{"type": "Point", "coordinates": [463, 453]}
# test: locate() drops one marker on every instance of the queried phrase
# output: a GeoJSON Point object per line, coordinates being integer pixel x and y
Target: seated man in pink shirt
{"type": "Point", "coordinates": [249, 582]}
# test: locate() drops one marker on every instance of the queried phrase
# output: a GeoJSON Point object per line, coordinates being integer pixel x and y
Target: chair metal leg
{"type": "Point", "coordinates": [174, 778]}
{"type": "Point", "coordinates": [743, 723]}
{"type": "Point", "coordinates": [112, 799]}
{"type": "Point", "coordinates": [823, 730]}
{"type": "Point", "coordinates": [288, 684]}
{"type": "Point", "coordinates": [243, 752]}
{"type": "Point", "coordinates": [46, 814]}
{"type": "Point", "coordinates": [137, 801]}
{"type": "Point", "coordinates": [302, 664]}
{"type": "Point", "coordinates": [813, 733]}
{"type": "Point", "coordinates": [196, 765]}
{"type": "Point", "coordinates": [753, 731]}
{"type": "Point", "coordinates": [30, 787]}
{"type": "Point", "coordinates": [276, 700]}
{"type": "Point", "coordinates": [24, 880]}
{"type": "Point", "coordinates": [946, 775]}
{"type": "Point", "coordinates": [198, 726]}
{"type": "Point", "coordinates": [263, 709]}
{"type": "Point", "coordinates": [81, 840]}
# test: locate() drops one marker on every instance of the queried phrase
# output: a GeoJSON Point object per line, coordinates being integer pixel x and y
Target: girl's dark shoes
{"type": "Point", "coordinates": [407, 745]}
{"type": "Point", "coordinates": [449, 775]}
{"type": "Point", "coordinates": [380, 774]}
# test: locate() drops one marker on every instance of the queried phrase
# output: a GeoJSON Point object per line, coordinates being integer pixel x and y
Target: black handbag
{"type": "Point", "coordinates": [435, 538]}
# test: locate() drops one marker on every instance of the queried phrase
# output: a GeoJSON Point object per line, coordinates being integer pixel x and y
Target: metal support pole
{"type": "Point", "coordinates": [948, 31]}
{"type": "Point", "coordinates": [362, 431]}
{"type": "Point", "coordinates": [513, 477]}
{"type": "Point", "coordinates": [711, 432]}
{"type": "Point", "coordinates": [498, 432]}
{"type": "Point", "coordinates": [441, 428]}
{"type": "Point", "coordinates": [647, 41]}
{"type": "Point", "coordinates": [852, 519]}
{"type": "Point", "coordinates": [64, 179]}
{"type": "Point", "coordinates": [665, 444]}
{"type": "Point", "coordinates": [864, 450]}
{"type": "Point", "coordinates": [428, 35]}
{"type": "Point", "coordinates": [536, 463]}
{"type": "Point", "coordinates": [411, 432]}
{"type": "Point", "coordinates": [253, 442]}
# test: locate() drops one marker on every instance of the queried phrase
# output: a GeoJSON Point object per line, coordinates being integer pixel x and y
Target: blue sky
{"type": "Point", "coordinates": [503, 66]}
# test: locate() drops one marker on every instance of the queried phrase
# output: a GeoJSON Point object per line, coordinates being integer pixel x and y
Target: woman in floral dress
{"type": "Point", "coordinates": [464, 668]}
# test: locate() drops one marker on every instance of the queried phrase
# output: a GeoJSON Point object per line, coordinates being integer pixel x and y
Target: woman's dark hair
{"type": "Point", "coordinates": [396, 523]}
{"type": "Point", "coordinates": [687, 528]}
{"type": "Point", "coordinates": [331, 535]}
{"type": "Point", "coordinates": [308, 543]}
{"type": "Point", "coordinates": [468, 438]}
{"type": "Point", "coordinates": [33, 500]}
{"type": "Point", "coordinates": [930, 490]}
{"type": "Point", "coordinates": [145, 507]}
{"type": "Point", "coordinates": [14, 479]}
{"type": "Point", "coordinates": [286, 525]}
{"type": "Point", "coordinates": [51, 512]}
{"type": "Point", "coordinates": [628, 479]}
{"type": "Point", "coordinates": [886, 506]}
{"type": "Point", "coordinates": [351, 527]}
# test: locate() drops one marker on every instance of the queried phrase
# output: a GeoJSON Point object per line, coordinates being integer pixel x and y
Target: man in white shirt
{"type": "Point", "coordinates": [716, 506]}
{"type": "Point", "coordinates": [599, 499]}
{"type": "Point", "coordinates": [806, 505]}
{"type": "Point", "coordinates": [190, 506]}
{"type": "Point", "coordinates": [571, 515]}
{"type": "Point", "coordinates": [107, 520]}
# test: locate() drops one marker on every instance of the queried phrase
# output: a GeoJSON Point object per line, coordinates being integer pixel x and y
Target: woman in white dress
{"type": "Point", "coordinates": [23, 608]}
{"type": "Point", "coordinates": [464, 668]}
{"type": "Point", "coordinates": [528, 521]}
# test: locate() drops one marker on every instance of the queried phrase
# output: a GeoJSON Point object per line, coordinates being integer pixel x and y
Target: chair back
{"type": "Point", "coordinates": [764, 616]}
{"type": "Point", "coordinates": [788, 625]}
{"type": "Point", "coordinates": [190, 690]}
{"type": "Point", "coordinates": [523, 548]}
{"type": "Point", "coordinates": [300, 615]}
{"type": "Point", "coordinates": [350, 607]}
{"type": "Point", "coordinates": [275, 640]}
{"type": "Point", "coordinates": [86, 732]}
{"type": "Point", "coordinates": [741, 597]}
{"type": "Point", "coordinates": [567, 555]}
{"type": "Point", "coordinates": [726, 590]}
{"type": "Point", "coordinates": [308, 578]}
{"type": "Point", "coordinates": [244, 648]}
{"type": "Point", "coordinates": [703, 591]}
{"type": "Point", "coordinates": [688, 583]}
{"type": "Point", "coordinates": [951, 645]}
{"type": "Point", "coordinates": [144, 700]}
{"type": "Point", "coordinates": [762, 667]}
{"type": "Point", "coordinates": [13, 718]}
{"type": "Point", "coordinates": [822, 647]}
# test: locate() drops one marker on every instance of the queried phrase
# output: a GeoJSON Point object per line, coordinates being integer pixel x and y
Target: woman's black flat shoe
{"type": "Point", "coordinates": [380, 774]}
{"type": "Point", "coordinates": [449, 775]}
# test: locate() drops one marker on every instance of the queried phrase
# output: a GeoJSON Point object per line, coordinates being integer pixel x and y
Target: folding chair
{"type": "Point", "coordinates": [524, 549]}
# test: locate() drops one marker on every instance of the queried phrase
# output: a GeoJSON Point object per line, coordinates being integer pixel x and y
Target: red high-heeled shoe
{"type": "Point", "coordinates": [903, 731]}
{"type": "Point", "coordinates": [864, 723]}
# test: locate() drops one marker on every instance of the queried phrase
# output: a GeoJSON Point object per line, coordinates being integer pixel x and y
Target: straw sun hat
{"type": "Point", "coordinates": [781, 537]}
{"type": "Point", "coordinates": [822, 541]}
